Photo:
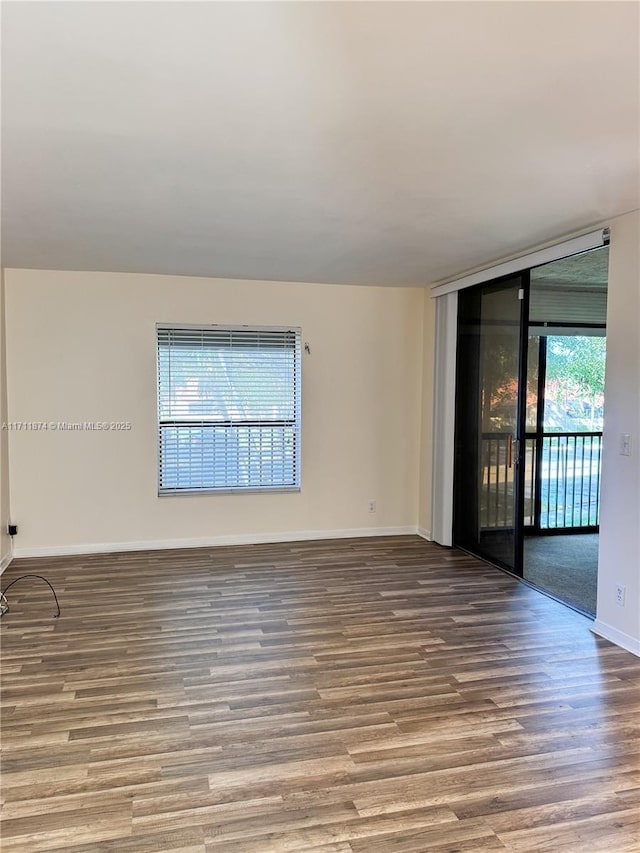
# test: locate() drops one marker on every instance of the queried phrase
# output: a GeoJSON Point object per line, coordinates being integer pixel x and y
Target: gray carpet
{"type": "Point", "coordinates": [565, 566]}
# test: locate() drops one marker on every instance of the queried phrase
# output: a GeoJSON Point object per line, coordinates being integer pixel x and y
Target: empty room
{"type": "Point", "coordinates": [320, 427]}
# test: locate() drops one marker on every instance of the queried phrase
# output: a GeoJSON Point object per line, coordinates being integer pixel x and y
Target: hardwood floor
{"type": "Point", "coordinates": [362, 696]}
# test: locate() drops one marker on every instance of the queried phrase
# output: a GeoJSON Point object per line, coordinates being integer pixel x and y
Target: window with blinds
{"type": "Point", "coordinates": [228, 408]}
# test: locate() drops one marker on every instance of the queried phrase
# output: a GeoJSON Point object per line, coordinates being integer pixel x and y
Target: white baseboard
{"type": "Point", "coordinates": [426, 534]}
{"type": "Point", "coordinates": [626, 641]}
{"type": "Point", "coordinates": [4, 562]}
{"type": "Point", "coordinates": [212, 541]}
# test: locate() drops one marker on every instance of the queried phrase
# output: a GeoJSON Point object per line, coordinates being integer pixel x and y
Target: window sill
{"type": "Point", "coordinates": [256, 490]}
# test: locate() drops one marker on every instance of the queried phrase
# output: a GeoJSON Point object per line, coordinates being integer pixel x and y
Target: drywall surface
{"type": "Point", "coordinates": [81, 347]}
{"type": "Point", "coordinates": [619, 557]}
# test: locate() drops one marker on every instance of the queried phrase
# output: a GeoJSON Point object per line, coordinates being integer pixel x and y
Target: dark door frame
{"type": "Point", "coordinates": [521, 425]}
{"type": "Point", "coordinates": [539, 433]}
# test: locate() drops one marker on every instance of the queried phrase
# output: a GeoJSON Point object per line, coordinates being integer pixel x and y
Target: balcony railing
{"type": "Point", "coordinates": [568, 480]}
{"type": "Point", "coordinates": [562, 481]}
{"type": "Point", "coordinates": [497, 482]}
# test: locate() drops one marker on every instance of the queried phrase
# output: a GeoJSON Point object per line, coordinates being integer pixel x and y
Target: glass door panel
{"type": "Point", "coordinates": [487, 490]}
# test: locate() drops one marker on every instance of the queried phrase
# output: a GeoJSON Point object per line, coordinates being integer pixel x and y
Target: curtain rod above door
{"type": "Point", "coordinates": [593, 240]}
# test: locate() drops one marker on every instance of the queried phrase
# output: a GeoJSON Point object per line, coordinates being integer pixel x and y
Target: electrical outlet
{"type": "Point", "coordinates": [621, 594]}
{"type": "Point", "coordinates": [625, 444]}
{"type": "Point", "coordinates": [372, 506]}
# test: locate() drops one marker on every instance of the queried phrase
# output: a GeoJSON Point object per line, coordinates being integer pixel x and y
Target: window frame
{"type": "Point", "coordinates": [297, 378]}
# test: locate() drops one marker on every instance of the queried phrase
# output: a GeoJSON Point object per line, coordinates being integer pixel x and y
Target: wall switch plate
{"type": "Point", "coordinates": [625, 444]}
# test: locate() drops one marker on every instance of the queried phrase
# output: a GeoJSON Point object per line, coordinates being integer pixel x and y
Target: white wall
{"type": "Point", "coordinates": [619, 558]}
{"type": "Point", "coordinates": [81, 347]}
{"type": "Point", "coordinates": [5, 542]}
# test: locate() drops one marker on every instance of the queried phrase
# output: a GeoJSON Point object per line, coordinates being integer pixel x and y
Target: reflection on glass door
{"type": "Point", "coordinates": [489, 409]}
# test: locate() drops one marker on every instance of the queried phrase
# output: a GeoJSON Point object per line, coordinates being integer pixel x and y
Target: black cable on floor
{"type": "Point", "coordinates": [4, 608]}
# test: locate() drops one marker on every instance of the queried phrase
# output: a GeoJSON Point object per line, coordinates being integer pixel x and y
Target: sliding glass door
{"type": "Point", "coordinates": [490, 410]}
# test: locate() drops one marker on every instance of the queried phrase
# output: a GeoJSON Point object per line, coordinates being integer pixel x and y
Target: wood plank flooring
{"type": "Point", "coordinates": [355, 696]}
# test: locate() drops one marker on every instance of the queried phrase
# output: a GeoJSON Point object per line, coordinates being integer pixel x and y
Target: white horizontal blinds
{"type": "Point", "coordinates": [567, 306]}
{"type": "Point", "coordinates": [570, 291]}
{"type": "Point", "coordinates": [229, 408]}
